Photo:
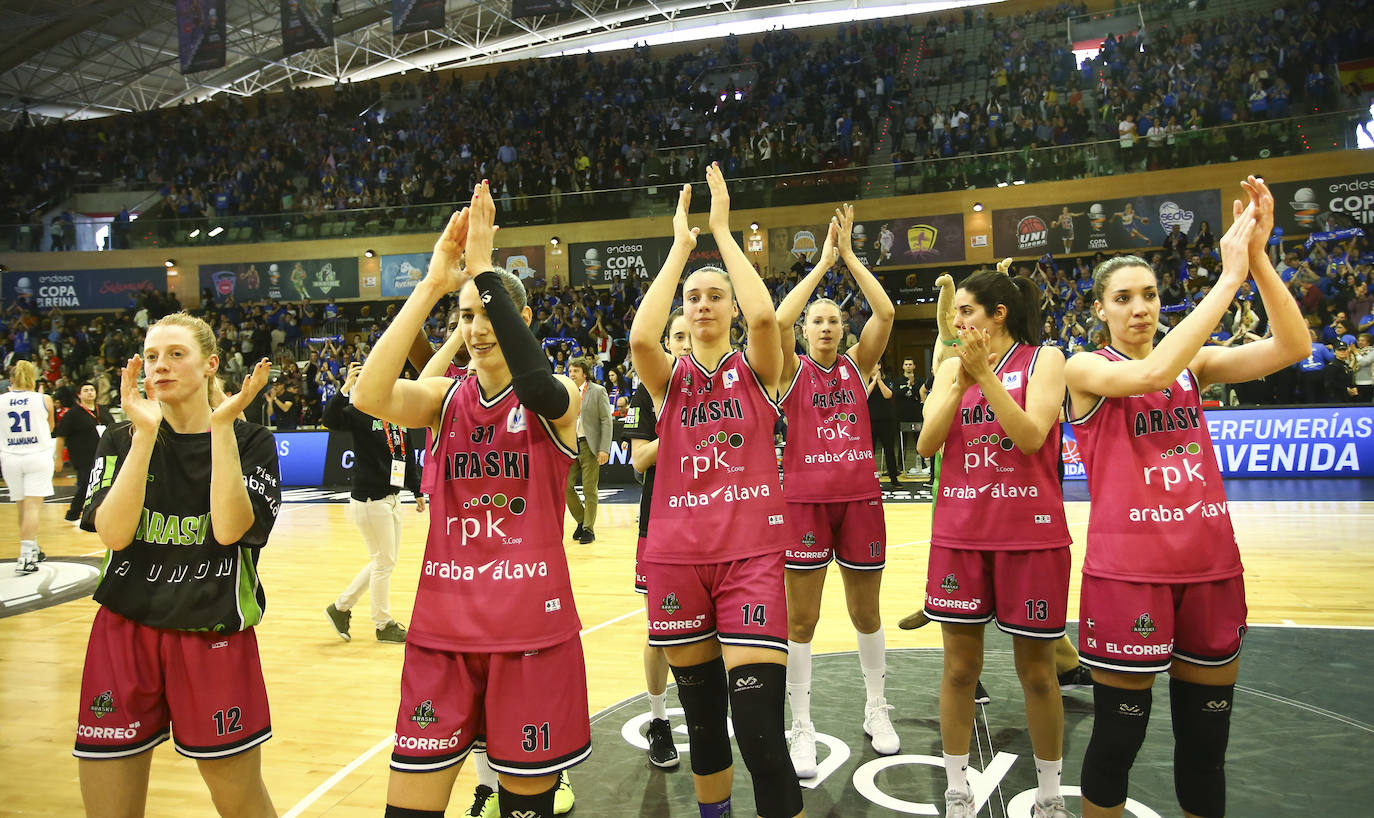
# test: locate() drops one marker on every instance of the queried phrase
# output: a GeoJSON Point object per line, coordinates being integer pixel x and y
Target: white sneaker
{"type": "Point", "coordinates": [1053, 808]}
{"type": "Point", "coordinates": [802, 748]}
{"type": "Point", "coordinates": [25, 566]}
{"type": "Point", "coordinates": [878, 727]}
{"type": "Point", "coordinates": [959, 804]}
{"type": "Point", "coordinates": [913, 471]}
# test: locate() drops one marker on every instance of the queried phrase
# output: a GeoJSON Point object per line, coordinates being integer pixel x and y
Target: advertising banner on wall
{"type": "Point", "coordinates": [306, 24]}
{"type": "Point", "coordinates": [81, 289]}
{"type": "Point", "coordinates": [402, 271]}
{"type": "Point", "coordinates": [1323, 205]}
{"type": "Point", "coordinates": [526, 262]}
{"type": "Point", "coordinates": [1103, 224]}
{"type": "Point", "coordinates": [410, 16]}
{"type": "Point", "coordinates": [296, 280]}
{"type": "Point", "coordinates": [200, 34]}
{"type": "Point", "coordinates": [879, 243]}
{"type": "Point", "coordinates": [1330, 441]}
{"type": "Point", "coordinates": [634, 260]}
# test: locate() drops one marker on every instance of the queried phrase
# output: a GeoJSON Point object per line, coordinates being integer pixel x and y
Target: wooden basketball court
{"type": "Point", "coordinates": [1309, 563]}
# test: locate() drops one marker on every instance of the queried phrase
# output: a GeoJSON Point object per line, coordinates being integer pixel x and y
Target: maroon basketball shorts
{"type": "Point", "coordinates": [139, 683]}
{"type": "Point", "coordinates": [528, 709]}
{"type": "Point", "coordinates": [743, 602]}
{"type": "Point", "coordinates": [1025, 592]}
{"type": "Point", "coordinates": [1134, 627]}
{"type": "Point", "coordinates": [852, 532]}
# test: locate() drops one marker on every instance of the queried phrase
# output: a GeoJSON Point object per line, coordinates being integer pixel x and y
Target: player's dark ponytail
{"type": "Point", "coordinates": [1017, 293]}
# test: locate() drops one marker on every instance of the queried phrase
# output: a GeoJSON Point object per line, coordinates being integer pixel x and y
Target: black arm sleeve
{"type": "Point", "coordinates": [535, 385]}
{"type": "Point", "coordinates": [335, 415]}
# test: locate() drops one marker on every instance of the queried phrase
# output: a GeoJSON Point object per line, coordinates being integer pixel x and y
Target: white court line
{"type": "Point", "coordinates": [330, 782]}
{"type": "Point", "coordinates": [336, 778]}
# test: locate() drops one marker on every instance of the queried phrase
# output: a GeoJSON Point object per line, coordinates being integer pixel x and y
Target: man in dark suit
{"type": "Point", "coordinates": [593, 449]}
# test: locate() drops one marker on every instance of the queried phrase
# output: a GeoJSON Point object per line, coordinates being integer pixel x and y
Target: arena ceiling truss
{"type": "Point", "coordinates": [90, 58]}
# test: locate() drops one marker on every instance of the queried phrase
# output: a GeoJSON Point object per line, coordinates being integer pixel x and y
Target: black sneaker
{"type": "Point", "coordinates": [41, 556]}
{"type": "Point", "coordinates": [587, 536]}
{"type": "Point", "coordinates": [662, 752]}
{"type": "Point", "coordinates": [1075, 678]}
{"type": "Point", "coordinates": [483, 803]}
{"type": "Point", "coordinates": [578, 532]}
{"type": "Point", "coordinates": [980, 695]}
{"type": "Point", "coordinates": [339, 619]}
{"type": "Point", "coordinates": [393, 632]}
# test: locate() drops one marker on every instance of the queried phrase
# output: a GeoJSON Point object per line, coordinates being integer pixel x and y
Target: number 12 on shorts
{"type": "Point", "coordinates": [227, 721]}
{"type": "Point", "coordinates": [536, 738]}
{"type": "Point", "coordinates": [754, 614]}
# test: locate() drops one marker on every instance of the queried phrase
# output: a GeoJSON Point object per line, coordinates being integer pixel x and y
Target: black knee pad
{"type": "Point", "coordinates": [705, 705]}
{"type": "Point", "coordinates": [756, 705]}
{"type": "Point", "coordinates": [1120, 718]}
{"type": "Point", "coordinates": [1202, 727]}
{"type": "Point", "coordinates": [539, 805]}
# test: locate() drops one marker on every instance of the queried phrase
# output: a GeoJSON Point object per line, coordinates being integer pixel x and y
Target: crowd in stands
{"type": "Point", "coordinates": [1151, 93]}
{"type": "Point", "coordinates": [312, 344]}
{"type": "Point", "coordinates": [781, 103]}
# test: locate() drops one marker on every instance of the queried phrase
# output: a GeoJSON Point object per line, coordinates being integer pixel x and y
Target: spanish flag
{"type": "Point", "coordinates": [1360, 73]}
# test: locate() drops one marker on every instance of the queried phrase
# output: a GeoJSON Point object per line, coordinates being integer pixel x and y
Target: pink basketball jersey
{"type": "Point", "coordinates": [716, 492]}
{"type": "Point", "coordinates": [992, 496]}
{"type": "Point", "coordinates": [429, 477]}
{"type": "Point", "coordinates": [1158, 509]}
{"type": "Point", "coordinates": [494, 577]}
{"type": "Point", "coordinates": [829, 452]}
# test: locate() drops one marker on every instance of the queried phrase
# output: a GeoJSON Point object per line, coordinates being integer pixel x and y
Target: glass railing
{"type": "Point", "coordinates": [838, 182]}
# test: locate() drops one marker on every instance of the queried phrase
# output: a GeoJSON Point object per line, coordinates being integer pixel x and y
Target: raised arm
{"type": "Point", "coordinates": [794, 303]}
{"type": "Point", "coordinates": [1091, 376]}
{"type": "Point", "coordinates": [873, 339]}
{"type": "Point", "coordinates": [231, 510]}
{"type": "Point", "coordinates": [1026, 427]}
{"type": "Point", "coordinates": [1288, 342]}
{"type": "Point", "coordinates": [755, 304]}
{"type": "Point", "coordinates": [117, 517]}
{"type": "Point", "coordinates": [940, 406]}
{"type": "Point", "coordinates": [538, 389]}
{"type": "Point", "coordinates": [653, 364]}
{"type": "Point", "coordinates": [438, 363]}
{"type": "Point", "coordinates": [380, 392]}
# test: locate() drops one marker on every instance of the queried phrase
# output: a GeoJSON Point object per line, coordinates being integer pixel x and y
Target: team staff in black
{"type": "Point", "coordinates": [382, 466]}
{"type": "Point", "coordinates": [908, 391]}
{"type": "Point", "coordinates": [882, 421]}
{"type": "Point", "coordinates": [80, 430]}
{"type": "Point", "coordinates": [184, 496]}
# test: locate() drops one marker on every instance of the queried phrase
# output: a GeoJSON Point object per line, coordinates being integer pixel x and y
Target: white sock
{"type": "Point", "coordinates": [956, 771]}
{"type": "Point", "coordinates": [28, 549]}
{"type": "Point", "coordinates": [658, 705]}
{"type": "Point", "coordinates": [486, 776]}
{"type": "Point", "coordinates": [873, 661]}
{"type": "Point", "coordinates": [799, 680]}
{"type": "Point", "coordinates": [1047, 774]}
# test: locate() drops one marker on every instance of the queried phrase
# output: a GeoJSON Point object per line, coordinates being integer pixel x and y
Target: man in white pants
{"type": "Point", "coordinates": [381, 468]}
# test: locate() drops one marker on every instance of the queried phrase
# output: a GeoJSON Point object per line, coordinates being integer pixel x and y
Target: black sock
{"type": "Point", "coordinates": [406, 812]}
{"type": "Point", "coordinates": [527, 806]}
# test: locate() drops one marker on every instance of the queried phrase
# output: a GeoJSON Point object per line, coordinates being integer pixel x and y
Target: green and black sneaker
{"type": "Point", "coordinates": [339, 619]}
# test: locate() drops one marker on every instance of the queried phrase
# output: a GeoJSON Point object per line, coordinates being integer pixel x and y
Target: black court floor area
{"type": "Point", "coordinates": [1301, 740]}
